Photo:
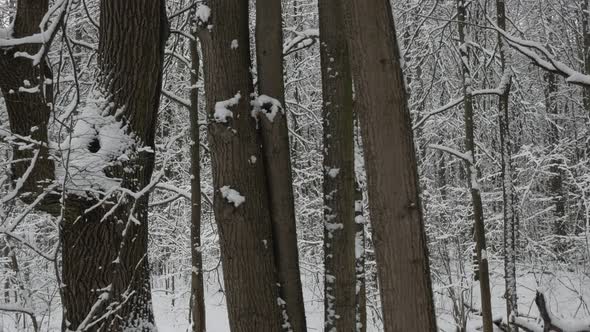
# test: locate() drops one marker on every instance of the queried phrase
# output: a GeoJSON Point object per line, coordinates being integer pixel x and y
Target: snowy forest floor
{"type": "Point", "coordinates": [567, 292]}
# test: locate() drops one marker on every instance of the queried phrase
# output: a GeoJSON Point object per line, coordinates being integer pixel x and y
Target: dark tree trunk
{"type": "Point", "coordinates": [277, 159]}
{"type": "Point", "coordinates": [197, 301]}
{"type": "Point", "coordinates": [396, 214]}
{"type": "Point", "coordinates": [245, 229]}
{"type": "Point", "coordinates": [339, 226]}
{"type": "Point", "coordinates": [105, 264]}
{"type": "Point", "coordinates": [472, 174]}
{"type": "Point", "coordinates": [508, 192]}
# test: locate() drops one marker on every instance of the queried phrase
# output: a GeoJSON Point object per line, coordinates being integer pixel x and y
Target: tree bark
{"type": "Point", "coordinates": [277, 159]}
{"type": "Point", "coordinates": [338, 164]}
{"type": "Point", "coordinates": [472, 174]}
{"type": "Point", "coordinates": [105, 269]}
{"type": "Point", "coordinates": [508, 193]}
{"type": "Point", "coordinates": [245, 228]}
{"type": "Point", "coordinates": [107, 259]}
{"type": "Point", "coordinates": [396, 213]}
{"type": "Point", "coordinates": [197, 301]}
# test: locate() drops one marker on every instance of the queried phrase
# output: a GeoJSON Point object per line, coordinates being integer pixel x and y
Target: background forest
{"type": "Point", "coordinates": [105, 102]}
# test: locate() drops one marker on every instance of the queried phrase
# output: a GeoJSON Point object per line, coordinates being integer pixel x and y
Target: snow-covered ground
{"type": "Point", "coordinates": [567, 292]}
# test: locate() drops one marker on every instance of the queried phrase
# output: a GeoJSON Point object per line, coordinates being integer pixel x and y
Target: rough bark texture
{"type": "Point", "coordinates": [472, 174]}
{"type": "Point", "coordinates": [109, 257]}
{"type": "Point", "coordinates": [586, 50]}
{"type": "Point", "coordinates": [338, 138]}
{"type": "Point", "coordinates": [104, 266]}
{"type": "Point", "coordinates": [556, 185]}
{"type": "Point", "coordinates": [245, 230]}
{"type": "Point", "coordinates": [197, 301]}
{"type": "Point", "coordinates": [508, 192]}
{"type": "Point", "coordinates": [361, 285]}
{"type": "Point", "coordinates": [28, 110]}
{"type": "Point", "coordinates": [277, 159]}
{"type": "Point", "coordinates": [396, 214]}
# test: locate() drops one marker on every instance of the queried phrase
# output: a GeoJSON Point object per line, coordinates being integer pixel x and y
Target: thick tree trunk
{"type": "Point", "coordinates": [197, 301]}
{"type": "Point", "coordinates": [105, 268]}
{"type": "Point", "coordinates": [396, 214]}
{"type": "Point", "coordinates": [508, 193]}
{"type": "Point", "coordinates": [105, 264]}
{"type": "Point", "coordinates": [277, 159]}
{"type": "Point", "coordinates": [472, 174]}
{"type": "Point", "coordinates": [28, 109]}
{"type": "Point", "coordinates": [339, 225]}
{"type": "Point", "coordinates": [241, 201]}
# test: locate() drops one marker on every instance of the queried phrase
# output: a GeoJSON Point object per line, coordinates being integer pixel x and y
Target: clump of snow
{"type": "Point", "coordinates": [333, 172]}
{"type": "Point", "coordinates": [203, 13]}
{"type": "Point", "coordinates": [266, 105]}
{"type": "Point", "coordinates": [99, 140]}
{"type": "Point", "coordinates": [232, 196]}
{"type": "Point", "coordinates": [222, 111]}
{"type": "Point", "coordinates": [234, 44]}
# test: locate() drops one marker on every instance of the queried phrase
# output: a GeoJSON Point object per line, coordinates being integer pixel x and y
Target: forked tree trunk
{"type": "Point", "coordinates": [338, 167]}
{"type": "Point", "coordinates": [392, 174]}
{"type": "Point", "coordinates": [197, 301]}
{"type": "Point", "coordinates": [508, 193]}
{"type": "Point", "coordinates": [241, 203]}
{"type": "Point", "coordinates": [472, 173]}
{"type": "Point", "coordinates": [277, 159]}
{"type": "Point", "coordinates": [104, 266]}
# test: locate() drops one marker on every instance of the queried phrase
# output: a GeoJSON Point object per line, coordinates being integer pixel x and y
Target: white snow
{"type": "Point", "coordinates": [333, 172]}
{"type": "Point", "coordinates": [222, 111]}
{"type": "Point", "coordinates": [234, 44]}
{"type": "Point", "coordinates": [94, 126]}
{"type": "Point", "coordinates": [203, 13]}
{"type": "Point", "coordinates": [232, 196]}
{"type": "Point", "coordinates": [266, 105]}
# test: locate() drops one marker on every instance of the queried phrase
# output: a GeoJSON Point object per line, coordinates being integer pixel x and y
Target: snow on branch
{"type": "Point", "coordinates": [543, 58]}
{"type": "Point", "coordinates": [464, 156]}
{"type": "Point", "coordinates": [456, 102]}
{"type": "Point", "coordinates": [44, 37]}
{"type": "Point", "coordinates": [303, 39]}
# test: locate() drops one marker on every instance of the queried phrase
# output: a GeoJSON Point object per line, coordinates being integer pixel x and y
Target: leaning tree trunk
{"type": "Point", "coordinates": [338, 167]}
{"type": "Point", "coordinates": [197, 300]}
{"type": "Point", "coordinates": [277, 159]}
{"type": "Point", "coordinates": [241, 203]}
{"type": "Point", "coordinates": [508, 193]}
{"type": "Point", "coordinates": [392, 174]}
{"type": "Point", "coordinates": [472, 173]}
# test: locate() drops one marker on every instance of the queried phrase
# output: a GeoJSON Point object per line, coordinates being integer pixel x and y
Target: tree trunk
{"type": "Point", "coordinates": [109, 288]}
{"type": "Point", "coordinates": [339, 225]}
{"type": "Point", "coordinates": [396, 213]}
{"type": "Point", "coordinates": [508, 193]}
{"type": "Point", "coordinates": [472, 174]}
{"type": "Point", "coordinates": [586, 49]}
{"type": "Point", "coordinates": [197, 301]}
{"type": "Point", "coordinates": [361, 287]}
{"type": "Point", "coordinates": [277, 159]}
{"type": "Point", "coordinates": [556, 186]}
{"type": "Point", "coordinates": [241, 203]}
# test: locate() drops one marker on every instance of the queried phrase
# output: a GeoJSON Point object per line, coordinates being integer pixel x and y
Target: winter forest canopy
{"type": "Point", "coordinates": [295, 165]}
